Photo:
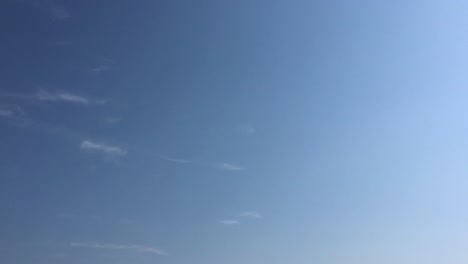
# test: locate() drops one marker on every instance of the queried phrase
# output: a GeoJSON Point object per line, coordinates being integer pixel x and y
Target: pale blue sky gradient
{"type": "Point", "coordinates": [231, 132]}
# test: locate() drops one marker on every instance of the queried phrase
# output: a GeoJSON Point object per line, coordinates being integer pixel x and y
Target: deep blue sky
{"type": "Point", "coordinates": [248, 131]}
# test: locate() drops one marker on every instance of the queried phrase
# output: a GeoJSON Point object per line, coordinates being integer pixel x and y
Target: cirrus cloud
{"type": "Point", "coordinates": [61, 96]}
{"type": "Point", "coordinates": [228, 166]}
{"type": "Point", "coordinates": [138, 248]}
{"type": "Point", "coordinates": [89, 145]}
{"type": "Point", "coordinates": [229, 222]}
{"type": "Point", "coordinates": [250, 215]}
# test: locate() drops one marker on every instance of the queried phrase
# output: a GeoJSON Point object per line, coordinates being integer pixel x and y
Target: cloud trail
{"type": "Point", "coordinates": [227, 166]}
{"type": "Point", "coordinates": [61, 97]}
{"type": "Point", "coordinates": [107, 149]}
{"type": "Point", "coordinates": [137, 248]}
{"type": "Point", "coordinates": [221, 165]}
{"type": "Point", "coordinates": [56, 97]}
{"type": "Point", "coordinates": [250, 215]}
{"type": "Point", "coordinates": [239, 218]}
{"type": "Point", "coordinates": [229, 222]}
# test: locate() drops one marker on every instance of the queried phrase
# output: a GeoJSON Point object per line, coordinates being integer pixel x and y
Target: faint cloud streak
{"type": "Point", "coordinates": [137, 248]}
{"type": "Point", "coordinates": [229, 222]}
{"type": "Point", "coordinates": [15, 114]}
{"type": "Point", "coordinates": [250, 215]}
{"type": "Point", "coordinates": [228, 166]}
{"type": "Point", "coordinates": [239, 218]}
{"type": "Point", "coordinates": [106, 149]}
{"type": "Point", "coordinates": [57, 96]}
{"type": "Point", "coordinates": [61, 96]}
{"type": "Point", "coordinates": [222, 165]}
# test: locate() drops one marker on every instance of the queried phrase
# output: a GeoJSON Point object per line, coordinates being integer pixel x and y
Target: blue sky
{"type": "Point", "coordinates": [233, 132]}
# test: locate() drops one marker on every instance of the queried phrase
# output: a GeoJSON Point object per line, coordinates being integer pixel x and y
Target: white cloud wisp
{"type": "Point", "coordinates": [239, 218]}
{"type": "Point", "coordinates": [229, 222]}
{"type": "Point", "coordinates": [138, 248]}
{"type": "Point", "coordinates": [61, 97]}
{"type": "Point", "coordinates": [56, 97]}
{"type": "Point", "coordinates": [106, 149]}
{"type": "Point", "coordinates": [228, 166]}
{"type": "Point", "coordinates": [250, 215]}
{"type": "Point", "coordinates": [221, 165]}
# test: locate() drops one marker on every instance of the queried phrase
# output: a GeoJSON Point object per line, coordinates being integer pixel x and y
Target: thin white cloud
{"type": "Point", "coordinates": [14, 114]}
{"type": "Point", "coordinates": [240, 217]}
{"type": "Point", "coordinates": [43, 95]}
{"type": "Point", "coordinates": [11, 111]}
{"type": "Point", "coordinates": [228, 166]}
{"type": "Point", "coordinates": [175, 160]}
{"type": "Point", "coordinates": [250, 215]}
{"type": "Point", "coordinates": [106, 149]}
{"type": "Point", "coordinates": [229, 222]}
{"type": "Point", "coordinates": [17, 116]}
{"type": "Point", "coordinates": [222, 165]}
{"type": "Point", "coordinates": [57, 96]}
{"type": "Point", "coordinates": [137, 248]}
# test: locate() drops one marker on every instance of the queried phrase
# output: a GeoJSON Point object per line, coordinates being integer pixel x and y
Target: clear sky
{"type": "Point", "coordinates": [248, 131]}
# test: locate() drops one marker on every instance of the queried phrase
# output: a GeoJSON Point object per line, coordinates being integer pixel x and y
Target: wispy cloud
{"type": "Point", "coordinates": [238, 218]}
{"type": "Point", "coordinates": [15, 114]}
{"type": "Point", "coordinates": [178, 160]}
{"type": "Point", "coordinates": [221, 165]}
{"type": "Point", "coordinates": [10, 110]}
{"type": "Point", "coordinates": [61, 96]}
{"type": "Point", "coordinates": [250, 215]}
{"type": "Point", "coordinates": [228, 166]}
{"type": "Point", "coordinates": [229, 222]}
{"type": "Point", "coordinates": [56, 96]}
{"type": "Point", "coordinates": [137, 248]}
{"type": "Point", "coordinates": [106, 149]}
